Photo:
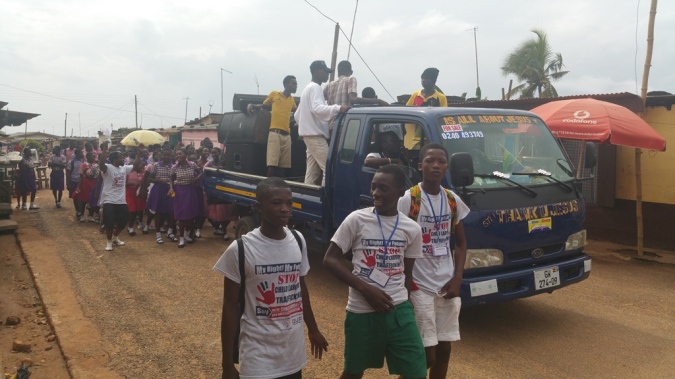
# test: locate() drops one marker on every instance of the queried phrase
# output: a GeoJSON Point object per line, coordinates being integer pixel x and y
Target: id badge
{"type": "Point", "coordinates": [379, 277]}
{"type": "Point", "coordinates": [440, 249]}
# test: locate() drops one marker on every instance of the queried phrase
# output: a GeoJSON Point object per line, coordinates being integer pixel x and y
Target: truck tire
{"type": "Point", "coordinates": [243, 226]}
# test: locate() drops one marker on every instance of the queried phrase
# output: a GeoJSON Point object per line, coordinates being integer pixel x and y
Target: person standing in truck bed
{"type": "Point", "coordinates": [312, 116]}
{"type": "Point", "coordinates": [280, 105]}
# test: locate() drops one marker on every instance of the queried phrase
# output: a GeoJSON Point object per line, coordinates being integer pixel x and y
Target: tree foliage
{"type": "Point", "coordinates": [535, 65]}
{"type": "Point", "coordinates": [33, 144]}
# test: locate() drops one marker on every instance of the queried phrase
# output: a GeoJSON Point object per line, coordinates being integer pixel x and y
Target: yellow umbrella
{"type": "Point", "coordinates": [146, 137]}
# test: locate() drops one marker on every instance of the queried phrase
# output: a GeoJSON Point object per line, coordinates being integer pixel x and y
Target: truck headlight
{"type": "Point", "coordinates": [476, 258]}
{"type": "Point", "coordinates": [576, 241]}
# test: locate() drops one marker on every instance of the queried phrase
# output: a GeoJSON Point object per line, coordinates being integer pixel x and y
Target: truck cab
{"type": "Point", "coordinates": [524, 231]}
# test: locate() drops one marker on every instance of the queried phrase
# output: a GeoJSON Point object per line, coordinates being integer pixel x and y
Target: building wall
{"type": "Point", "coordinates": [195, 136]}
{"type": "Point", "coordinates": [658, 171]}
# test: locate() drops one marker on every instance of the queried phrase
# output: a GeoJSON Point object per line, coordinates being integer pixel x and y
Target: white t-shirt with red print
{"type": "Point", "coordinates": [272, 337]}
{"type": "Point", "coordinates": [436, 266]}
{"type": "Point", "coordinates": [361, 233]}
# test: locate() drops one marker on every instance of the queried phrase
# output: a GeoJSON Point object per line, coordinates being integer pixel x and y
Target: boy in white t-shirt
{"type": "Point", "coordinates": [380, 321]}
{"type": "Point", "coordinates": [437, 276]}
{"type": "Point", "coordinates": [272, 338]}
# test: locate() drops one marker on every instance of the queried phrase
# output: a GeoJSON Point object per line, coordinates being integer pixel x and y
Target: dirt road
{"type": "Point", "coordinates": [153, 311]}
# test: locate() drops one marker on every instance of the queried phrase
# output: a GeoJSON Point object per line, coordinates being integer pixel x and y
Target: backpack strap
{"type": "Point", "coordinates": [453, 209]}
{"type": "Point", "coordinates": [297, 238]}
{"type": "Point", "coordinates": [415, 202]}
{"type": "Point", "coordinates": [242, 299]}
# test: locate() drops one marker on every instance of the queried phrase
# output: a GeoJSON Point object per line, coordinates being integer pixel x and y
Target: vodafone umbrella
{"type": "Point", "coordinates": [146, 137]}
{"type": "Point", "coordinates": [599, 121]}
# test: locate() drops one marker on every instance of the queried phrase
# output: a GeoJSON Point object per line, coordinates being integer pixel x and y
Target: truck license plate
{"type": "Point", "coordinates": [546, 278]}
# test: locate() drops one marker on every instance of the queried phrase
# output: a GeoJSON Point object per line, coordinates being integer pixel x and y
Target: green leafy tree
{"type": "Point", "coordinates": [33, 144]}
{"type": "Point", "coordinates": [535, 65]}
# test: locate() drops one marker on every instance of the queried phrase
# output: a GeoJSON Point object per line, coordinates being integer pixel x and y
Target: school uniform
{"type": "Point", "coordinates": [57, 176]}
{"type": "Point", "coordinates": [26, 182]}
{"type": "Point", "coordinates": [158, 198]}
{"type": "Point", "coordinates": [185, 202]}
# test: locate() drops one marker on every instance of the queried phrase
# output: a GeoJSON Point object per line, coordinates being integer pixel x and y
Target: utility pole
{"type": "Point", "coordinates": [186, 108]}
{"type": "Point", "coordinates": [136, 107]}
{"type": "Point", "coordinates": [351, 34]}
{"type": "Point", "coordinates": [221, 88]}
{"type": "Point", "coordinates": [475, 47]}
{"type": "Point", "coordinates": [65, 126]}
{"type": "Point", "coordinates": [638, 152]}
{"type": "Point", "coordinates": [333, 59]}
{"type": "Point", "coordinates": [257, 85]}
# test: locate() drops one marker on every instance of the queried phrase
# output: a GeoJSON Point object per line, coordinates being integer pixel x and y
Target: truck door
{"type": "Point", "coordinates": [348, 161]}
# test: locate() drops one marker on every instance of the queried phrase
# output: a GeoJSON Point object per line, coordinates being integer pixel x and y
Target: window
{"type": "Point", "coordinates": [349, 140]}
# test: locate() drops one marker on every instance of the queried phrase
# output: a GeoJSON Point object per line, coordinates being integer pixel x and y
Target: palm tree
{"type": "Point", "coordinates": [535, 65]}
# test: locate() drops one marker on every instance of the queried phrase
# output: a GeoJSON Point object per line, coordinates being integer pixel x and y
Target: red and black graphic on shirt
{"type": "Point", "coordinates": [281, 297]}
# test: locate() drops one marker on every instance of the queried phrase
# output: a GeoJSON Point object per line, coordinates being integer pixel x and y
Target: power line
{"type": "Point", "coordinates": [77, 101]}
{"type": "Point", "coordinates": [355, 50]}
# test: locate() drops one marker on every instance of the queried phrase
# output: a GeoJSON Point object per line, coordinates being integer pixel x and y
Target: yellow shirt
{"type": "Point", "coordinates": [282, 107]}
{"type": "Point", "coordinates": [417, 99]}
{"type": "Point", "coordinates": [437, 99]}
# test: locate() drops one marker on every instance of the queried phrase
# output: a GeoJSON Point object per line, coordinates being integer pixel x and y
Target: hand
{"type": "Point", "coordinates": [171, 193]}
{"type": "Point", "coordinates": [377, 299]}
{"type": "Point", "coordinates": [318, 344]}
{"type": "Point", "coordinates": [345, 108]}
{"type": "Point", "coordinates": [267, 294]}
{"type": "Point", "coordinates": [230, 373]}
{"type": "Point", "coordinates": [249, 109]}
{"type": "Point", "coordinates": [451, 288]}
{"type": "Point", "coordinates": [370, 260]}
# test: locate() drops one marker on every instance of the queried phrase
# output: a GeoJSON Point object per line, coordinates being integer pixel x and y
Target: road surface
{"type": "Point", "coordinates": [153, 311]}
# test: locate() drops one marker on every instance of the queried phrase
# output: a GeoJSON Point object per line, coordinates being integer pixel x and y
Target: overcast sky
{"type": "Point", "coordinates": [56, 55]}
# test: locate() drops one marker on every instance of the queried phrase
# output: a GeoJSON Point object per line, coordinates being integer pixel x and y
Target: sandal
{"type": "Point", "coordinates": [160, 240]}
{"type": "Point", "coordinates": [172, 237]}
{"type": "Point", "coordinates": [181, 245]}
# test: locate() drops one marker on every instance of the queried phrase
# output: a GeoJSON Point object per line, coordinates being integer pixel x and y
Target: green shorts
{"type": "Point", "coordinates": [370, 337]}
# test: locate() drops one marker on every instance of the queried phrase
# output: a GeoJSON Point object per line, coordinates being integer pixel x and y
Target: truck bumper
{"type": "Point", "coordinates": [521, 283]}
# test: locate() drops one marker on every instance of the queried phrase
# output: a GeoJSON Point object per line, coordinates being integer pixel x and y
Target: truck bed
{"type": "Point", "coordinates": [239, 188]}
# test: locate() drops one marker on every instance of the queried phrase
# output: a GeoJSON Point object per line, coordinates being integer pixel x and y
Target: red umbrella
{"type": "Point", "coordinates": [599, 121]}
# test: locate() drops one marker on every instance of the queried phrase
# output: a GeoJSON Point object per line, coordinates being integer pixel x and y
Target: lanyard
{"type": "Point", "coordinates": [437, 220]}
{"type": "Point", "coordinates": [384, 241]}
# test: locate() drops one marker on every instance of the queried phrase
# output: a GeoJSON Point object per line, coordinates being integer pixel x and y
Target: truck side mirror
{"type": "Point", "coordinates": [590, 155]}
{"type": "Point", "coordinates": [461, 169]}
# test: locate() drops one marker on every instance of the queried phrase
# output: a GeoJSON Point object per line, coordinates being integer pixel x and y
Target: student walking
{"type": "Point", "coordinates": [437, 275]}
{"type": "Point", "coordinates": [159, 202]}
{"type": "Point", "coordinates": [276, 299]}
{"type": "Point", "coordinates": [73, 177]}
{"type": "Point", "coordinates": [89, 173]}
{"type": "Point", "coordinates": [135, 199]}
{"type": "Point", "coordinates": [220, 215]}
{"type": "Point", "coordinates": [26, 182]}
{"type": "Point", "coordinates": [57, 164]}
{"type": "Point", "coordinates": [113, 194]}
{"type": "Point", "coordinates": [184, 175]}
{"type": "Point", "coordinates": [384, 245]}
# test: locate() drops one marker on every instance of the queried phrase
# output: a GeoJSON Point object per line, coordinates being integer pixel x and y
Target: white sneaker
{"type": "Point", "coordinates": [118, 242]}
{"type": "Point", "coordinates": [198, 233]}
{"type": "Point", "coordinates": [81, 218]}
{"type": "Point", "coordinates": [108, 246]}
{"type": "Point", "coordinates": [91, 219]}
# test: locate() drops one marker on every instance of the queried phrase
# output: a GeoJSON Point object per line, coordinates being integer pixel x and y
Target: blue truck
{"type": "Point", "coordinates": [525, 231]}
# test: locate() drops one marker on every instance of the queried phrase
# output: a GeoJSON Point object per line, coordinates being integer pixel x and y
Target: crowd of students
{"type": "Point", "coordinates": [135, 189]}
{"type": "Point", "coordinates": [403, 274]}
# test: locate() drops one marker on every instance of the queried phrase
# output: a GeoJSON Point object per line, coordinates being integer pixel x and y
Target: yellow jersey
{"type": "Point", "coordinates": [282, 107]}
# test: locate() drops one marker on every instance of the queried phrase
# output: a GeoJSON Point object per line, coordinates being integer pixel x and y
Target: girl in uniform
{"type": "Point", "coordinates": [135, 199]}
{"type": "Point", "coordinates": [184, 175]}
{"type": "Point", "coordinates": [26, 182]}
{"type": "Point", "coordinates": [159, 202]}
{"type": "Point", "coordinates": [57, 163]}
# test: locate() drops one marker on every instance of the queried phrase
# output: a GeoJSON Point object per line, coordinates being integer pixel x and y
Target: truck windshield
{"type": "Point", "coordinates": [518, 147]}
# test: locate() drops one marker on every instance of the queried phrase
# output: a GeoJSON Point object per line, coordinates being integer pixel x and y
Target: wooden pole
{"type": "Point", "coordinates": [580, 164]}
{"type": "Point", "coordinates": [638, 152]}
{"type": "Point", "coordinates": [136, 109]}
{"type": "Point", "coordinates": [333, 59]}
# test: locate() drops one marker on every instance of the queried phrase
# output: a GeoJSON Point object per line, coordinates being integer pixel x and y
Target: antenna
{"type": "Point", "coordinates": [257, 85]}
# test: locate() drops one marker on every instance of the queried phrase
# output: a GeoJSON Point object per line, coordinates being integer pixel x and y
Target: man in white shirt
{"type": "Point", "coordinates": [312, 117]}
{"type": "Point", "coordinates": [113, 193]}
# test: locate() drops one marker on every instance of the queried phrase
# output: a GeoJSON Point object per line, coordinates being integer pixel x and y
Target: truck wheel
{"type": "Point", "coordinates": [243, 226]}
